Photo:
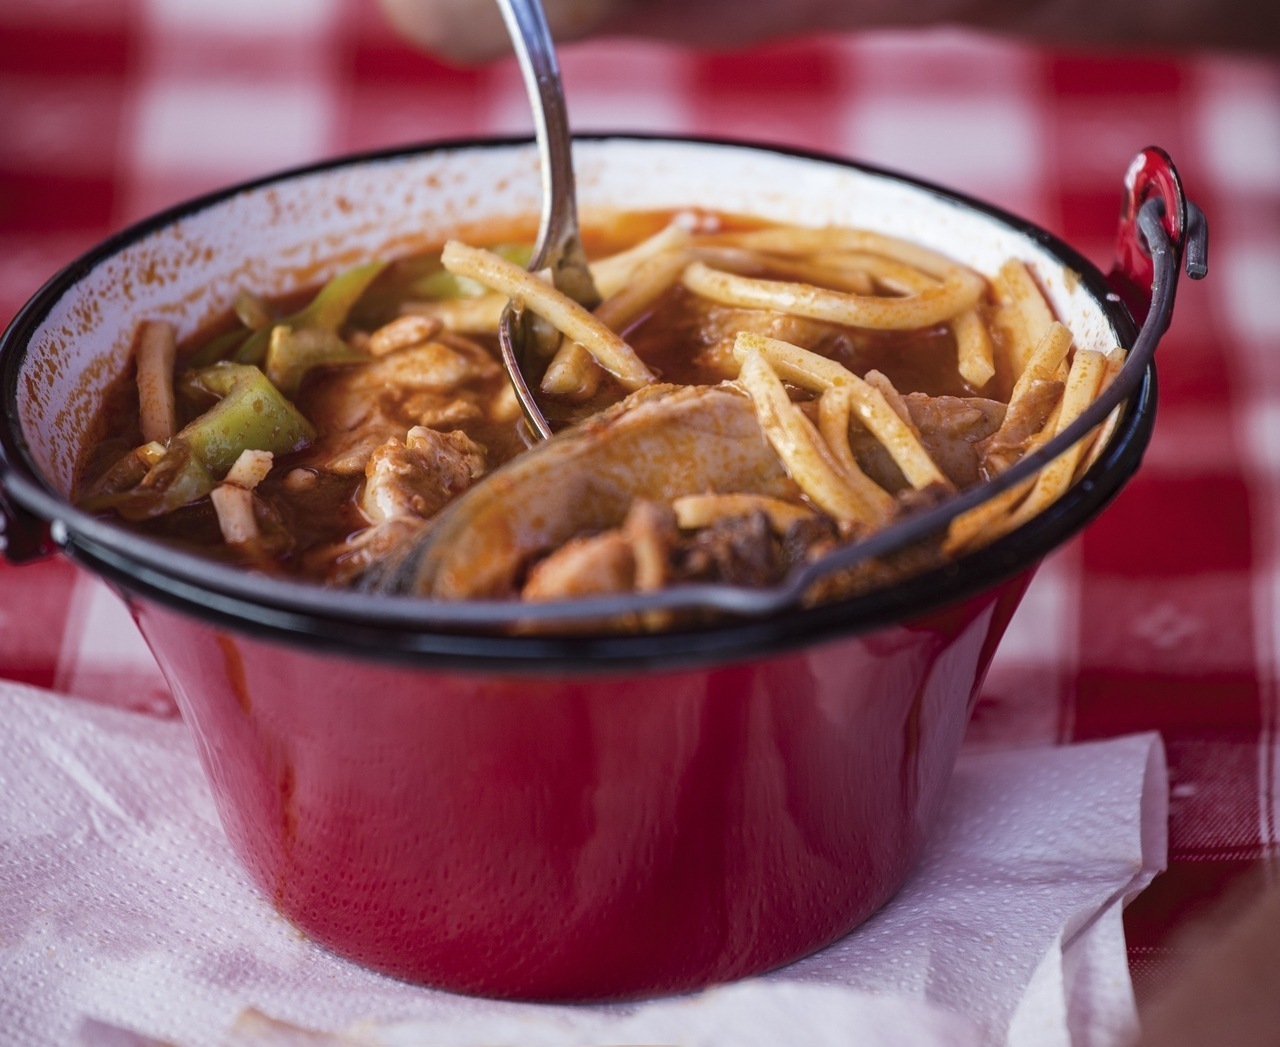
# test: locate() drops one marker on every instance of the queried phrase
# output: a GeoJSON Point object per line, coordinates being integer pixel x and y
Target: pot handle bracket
{"type": "Point", "coordinates": [1153, 189]}
{"type": "Point", "coordinates": [23, 536]}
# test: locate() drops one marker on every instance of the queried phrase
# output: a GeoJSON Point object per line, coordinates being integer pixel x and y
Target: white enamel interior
{"type": "Point", "coordinates": [293, 233]}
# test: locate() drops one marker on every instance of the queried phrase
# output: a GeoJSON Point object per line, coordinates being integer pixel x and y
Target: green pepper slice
{"type": "Point", "coordinates": [252, 415]}
{"type": "Point", "coordinates": [442, 284]}
{"type": "Point", "coordinates": [327, 311]}
{"type": "Point", "coordinates": [177, 479]}
{"type": "Point", "coordinates": [292, 354]}
{"type": "Point", "coordinates": [218, 348]}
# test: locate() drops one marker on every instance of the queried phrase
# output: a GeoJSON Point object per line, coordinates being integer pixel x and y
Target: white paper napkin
{"type": "Point", "coordinates": [122, 907]}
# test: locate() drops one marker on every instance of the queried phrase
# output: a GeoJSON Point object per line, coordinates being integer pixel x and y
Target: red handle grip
{"type": "Point", "coordinates": [1150, 174]}
{"type": "Point", "coordinates": [22, 536]}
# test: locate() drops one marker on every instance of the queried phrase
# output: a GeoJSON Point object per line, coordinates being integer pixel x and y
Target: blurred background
{"type": "Point", "coordinates": [1163, 616]}
{"type": "Point", "coordinates": [112, 109]}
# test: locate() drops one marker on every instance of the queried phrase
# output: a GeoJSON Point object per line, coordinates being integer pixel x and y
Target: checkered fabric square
{"type": "Point", "coordinates": [1163, 616]}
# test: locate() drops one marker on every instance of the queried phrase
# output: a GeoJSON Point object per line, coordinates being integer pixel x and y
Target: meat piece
{"type": "Point", "coordinates": [738, 550]}
{"type": "Point", "coordinates": [419, 476]}
{"type": "Point", "coordinates": [950, 429]}
{"type": "Point", "coordinates": [402, 333]}
{"type": "Point", "coordinates": [425, 408]}
{"type": "Point", "coordinates": [912, 501]}
{"type": "Point", "coordinates": [651, 530]}
{"type": "Point", "coordinates": [603, 563]}
{"type": "Point", "coordinates": [346, 452]}
{"type": "Point", "coordinates": [648, 552]}
{"type": "Point", "coordinates": [750, 550]}
{"type": "Point", "coordinates": [432, 365]}
{"type": "Point", "coordinates": [353, 561]}
{"type": "Point", "coordinates": [361, 408]}
{"type": "Point", "coordinates": [1025, 418]}
{"type": "Point", "coordinates": [344, 399]}
{"type": "Point", "coordinates": [631, 558]}
{"type": "Point", "coordinates": [807, 539]}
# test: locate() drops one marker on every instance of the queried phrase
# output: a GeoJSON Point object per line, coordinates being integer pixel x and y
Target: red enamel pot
{"type": "Point", "coordinates": [531, 816]}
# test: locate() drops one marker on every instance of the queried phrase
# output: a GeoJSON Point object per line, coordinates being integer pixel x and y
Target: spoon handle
{"type": "Point", "coordinates": [559, 245]}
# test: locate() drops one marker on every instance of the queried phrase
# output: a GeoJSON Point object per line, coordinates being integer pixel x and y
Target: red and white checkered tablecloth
{"type": "Point", "coordinates": [1163, 616]}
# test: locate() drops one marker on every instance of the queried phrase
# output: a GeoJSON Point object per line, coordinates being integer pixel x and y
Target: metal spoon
{"type": "Point", "coordinates": [559, 244]}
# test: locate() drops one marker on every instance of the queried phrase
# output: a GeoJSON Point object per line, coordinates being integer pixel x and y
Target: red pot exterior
{"type": "Point", "coordinates": [581, 837]}
{"type": "Point", "coordinates": [585, 830]}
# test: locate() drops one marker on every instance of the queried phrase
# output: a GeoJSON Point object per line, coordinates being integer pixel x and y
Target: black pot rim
{"type": "Point", "coordinates": [301, 613]}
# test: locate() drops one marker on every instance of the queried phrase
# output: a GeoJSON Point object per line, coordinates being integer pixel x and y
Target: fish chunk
{"type": "Point", "coordinates": [602, 563]}
{"type": "Point", "coordinates": [659, 444]}
{"type": "Point", "coordinates": [419, 475]}
{"type": "Point", "coordinates": [951, 429]}
{"type": "Point", "coordinates": [434, 384]}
